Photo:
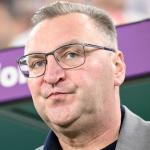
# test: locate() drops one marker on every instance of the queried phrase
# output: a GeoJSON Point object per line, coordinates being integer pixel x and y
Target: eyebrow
{"type": "Point", "coordinates": [73, 41]}
{"type": "Point", "coordinates": [36, 55]}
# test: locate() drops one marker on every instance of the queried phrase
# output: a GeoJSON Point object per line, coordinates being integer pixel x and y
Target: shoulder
{"type": "Point", "coordinates": [133, 124]}
{"type": "Point", "coordinates": [132, 120]}
{"type": "Point", "coordinates": [135, 133]}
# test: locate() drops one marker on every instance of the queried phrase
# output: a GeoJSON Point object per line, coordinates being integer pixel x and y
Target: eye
{"type": "Point", "coordinates": [71, 55]}
{"type": "Point", "coordinates": [38, 64]}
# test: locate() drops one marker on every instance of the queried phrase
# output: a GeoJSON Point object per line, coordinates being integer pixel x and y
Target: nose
{"type": "Point", "coordinates": [53, 73]}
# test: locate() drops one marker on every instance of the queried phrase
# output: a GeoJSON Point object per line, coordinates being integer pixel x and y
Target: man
{"type": "Point", "coordinates": [74, 71]}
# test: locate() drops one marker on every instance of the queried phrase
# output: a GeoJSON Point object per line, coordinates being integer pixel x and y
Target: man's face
{"type": "Point", "coordinates": [76, 96]}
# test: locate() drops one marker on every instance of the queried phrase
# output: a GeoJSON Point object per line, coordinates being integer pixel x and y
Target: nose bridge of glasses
{"type": "Point", "coordinates": [49, 53]}
{"type": "Point", "coordinates": [53, 71]}
{"type": "Point", "coordinates": [53, 60]}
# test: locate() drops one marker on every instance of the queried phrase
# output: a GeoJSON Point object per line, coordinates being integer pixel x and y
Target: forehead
{"type": "Point", "coordinates": [51, 33]}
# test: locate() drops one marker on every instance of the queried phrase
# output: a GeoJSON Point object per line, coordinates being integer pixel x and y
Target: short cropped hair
{"type": "Point", "coordinates": [59, 8]}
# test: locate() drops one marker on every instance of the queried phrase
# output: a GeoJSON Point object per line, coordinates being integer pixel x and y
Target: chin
{"type": "Point", "coordinates": [68, 128]}
{"type": "Point", "coordinates": [63, 123]}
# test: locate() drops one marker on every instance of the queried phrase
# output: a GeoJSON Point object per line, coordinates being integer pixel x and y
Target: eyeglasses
{"type": "Point", "coordinates": [67, 56]}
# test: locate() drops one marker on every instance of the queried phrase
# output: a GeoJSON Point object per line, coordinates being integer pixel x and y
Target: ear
{"type": "Point", "coordinates": [120, 68]}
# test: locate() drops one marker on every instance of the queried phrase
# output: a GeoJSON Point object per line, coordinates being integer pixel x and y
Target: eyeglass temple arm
{"type": "Point", "coordinates": [101, 47]}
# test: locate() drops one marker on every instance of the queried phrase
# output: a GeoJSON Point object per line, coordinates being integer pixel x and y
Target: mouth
{"type": "Point", "coordinates": [58, 95]}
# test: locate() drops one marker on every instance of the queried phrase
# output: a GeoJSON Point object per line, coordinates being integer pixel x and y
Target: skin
{"type": "Point", "coordinates": [86, 99]}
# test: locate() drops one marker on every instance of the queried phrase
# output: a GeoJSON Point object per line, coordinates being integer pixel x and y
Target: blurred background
{"type": "Point", "coordinates": [20, 126]}
{"type": "Point", "coordinates": [15, 16]}
{"type": "Point", "coordinates": [15, 21]}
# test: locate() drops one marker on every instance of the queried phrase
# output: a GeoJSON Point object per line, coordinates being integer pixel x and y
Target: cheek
{"type": "Point", "coordinates": [89, 74]}
{"type": "Point", "coordinates": [89, 93]}
{"type": "Point", "coordinates": [34, 87]}
{"type": "Point", "coordinates": [94, 78]}
{"type": "Point", "coordinates": [87, 81]}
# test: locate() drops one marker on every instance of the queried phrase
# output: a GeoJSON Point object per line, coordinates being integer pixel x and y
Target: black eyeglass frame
{"type": "Point", "coordinates": [53, 53]}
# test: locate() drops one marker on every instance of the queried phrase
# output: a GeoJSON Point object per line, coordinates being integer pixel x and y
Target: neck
{"type": "Point", "coordinates": [96, 142]}
{"type": "Point", "coordinates": [96, 138]}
